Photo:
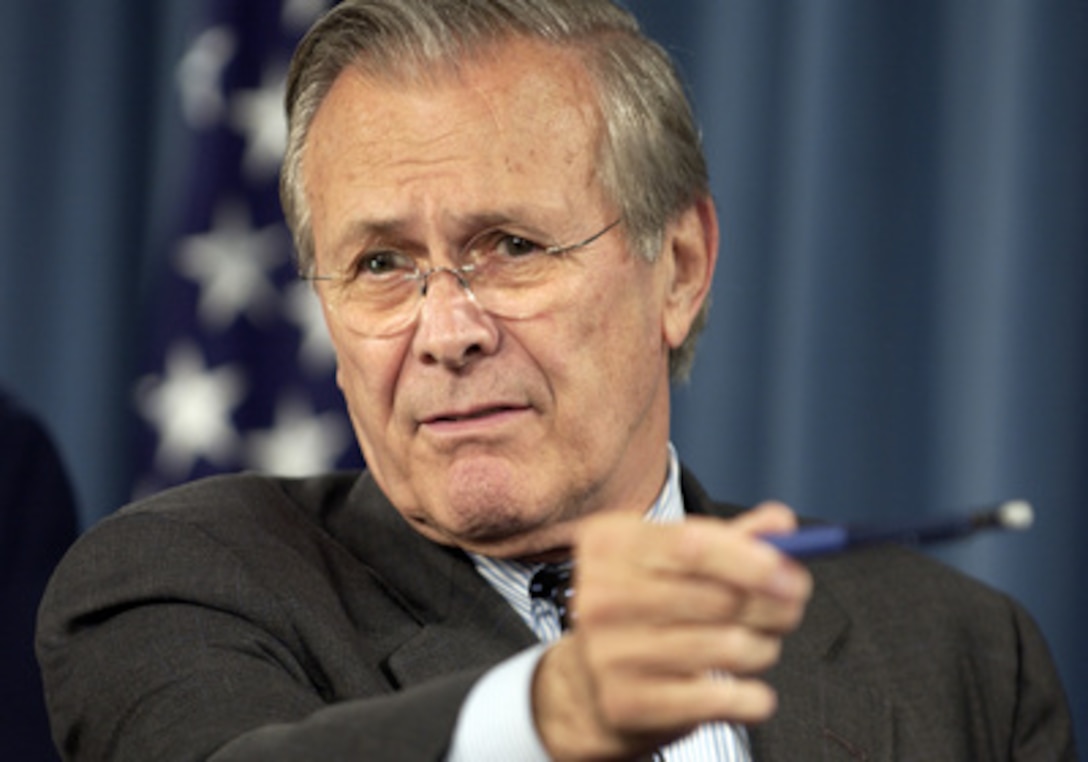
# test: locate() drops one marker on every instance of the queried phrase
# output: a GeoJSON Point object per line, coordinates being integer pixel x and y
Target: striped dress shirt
{"type": "Point", "coordinates": [717, 742]}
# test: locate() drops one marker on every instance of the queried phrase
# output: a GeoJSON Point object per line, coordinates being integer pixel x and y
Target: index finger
{"type": "Point", "coordinates": [711, 549]}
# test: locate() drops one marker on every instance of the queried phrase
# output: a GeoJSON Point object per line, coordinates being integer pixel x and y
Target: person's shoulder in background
{"type": "Point", "coordinates": [38, 518]}
{"type": "Point", "coordinates": [38, 522]}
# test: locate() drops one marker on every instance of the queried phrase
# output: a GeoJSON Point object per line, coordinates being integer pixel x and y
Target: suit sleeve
{"type": "Point", "coordinates": [1043, 726]}
{"type": "Point", "coordinates": [159, 642]}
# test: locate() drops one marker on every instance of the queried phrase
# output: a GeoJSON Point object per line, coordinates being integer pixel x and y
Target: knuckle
{"type": "Point", "coordinates": [747, 699]}
{"type": "Point", "coordinates": [727, 603]}
{"type": "Point", "coordinates": [593, 606]}
{"type": "Point", "coordinates": [619, 706]}
{"type": "Point", "coordinates": [746, 652]}
{"type": "Point", "coordinates": [693, 545]}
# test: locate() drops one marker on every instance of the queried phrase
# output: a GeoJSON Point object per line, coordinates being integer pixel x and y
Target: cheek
{"type": "Point", "coordinates": [627, 327]}
{"type": "Point", "coordinates": [366, 372]}
{"type": "Point", "coordinates": [607, 346]}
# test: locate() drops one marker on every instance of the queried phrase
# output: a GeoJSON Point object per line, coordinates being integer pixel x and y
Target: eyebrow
{"type": "Point", "coordinates": [395, 228]}
{"type": "Point", "coordinates": [361, 229]}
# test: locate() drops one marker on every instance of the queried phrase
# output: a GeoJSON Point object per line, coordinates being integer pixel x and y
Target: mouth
{"type": "Point", "coordinates": [474, 414]}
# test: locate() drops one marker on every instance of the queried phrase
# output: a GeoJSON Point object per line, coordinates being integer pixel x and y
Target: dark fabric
{"type": "Point", "coordinates": [249, 618]}
{"type": "Point", "coordinates": [37, 524]}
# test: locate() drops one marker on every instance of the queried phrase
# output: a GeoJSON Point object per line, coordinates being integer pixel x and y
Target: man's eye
{"type": "Point", "coordinates": [515, 246]}
{"type": "Point", "coordinates": [379, 263]}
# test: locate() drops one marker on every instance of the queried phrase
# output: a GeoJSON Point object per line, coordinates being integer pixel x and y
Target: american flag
{"type": "Point", "coordinates": [239, 372]}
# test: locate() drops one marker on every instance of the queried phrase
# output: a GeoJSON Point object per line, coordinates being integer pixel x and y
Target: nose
{"type": "Point", "coordinates": [453, 329]}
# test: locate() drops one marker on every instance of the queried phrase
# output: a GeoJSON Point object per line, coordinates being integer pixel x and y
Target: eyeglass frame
{"type": "Point", "coordinates": [462, 273]}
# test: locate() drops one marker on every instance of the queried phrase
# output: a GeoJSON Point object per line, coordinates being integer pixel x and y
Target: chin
{"type": "Point", "coordinates": [484, 490]}
{"type": "Point", "coordinates": [504, 529]}
{"type": "Point", "coordinates": [485, 505]}
{"type": "Point", "coordinates": [483, 523]}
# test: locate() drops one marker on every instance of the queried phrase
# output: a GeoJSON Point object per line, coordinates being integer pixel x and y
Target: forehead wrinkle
{"type": "Point", "coordinates": [563, 93]}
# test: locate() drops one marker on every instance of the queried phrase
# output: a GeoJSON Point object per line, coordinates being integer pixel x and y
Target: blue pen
{"type": "Point", "coordinates": [823, 539]}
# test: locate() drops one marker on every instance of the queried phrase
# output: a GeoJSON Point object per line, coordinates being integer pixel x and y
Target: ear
{"type": "Point", "coordinates": [691, 252]}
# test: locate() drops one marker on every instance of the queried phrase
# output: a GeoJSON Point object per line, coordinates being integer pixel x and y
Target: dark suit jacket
{"type": "Point", "coordinates": [248, 618]}
{"type": "Point", "coordinates": [37, 524]}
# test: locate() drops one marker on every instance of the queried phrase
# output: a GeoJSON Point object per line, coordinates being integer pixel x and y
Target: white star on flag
{"type": "Point", "coordinates": [299, 14]}
{"type": "Point", "coordinates": [190, 407]}
{"type": "Point", "coordinates": [258, 115]}
{"type": "Point", "coordinates": [233, 264]}
{"type": "Point", "coordinates": [301, 442]}
{"type": "Point", "coordinates": [199, 76]}
{"type": "Point", "coordinates": [302, 308]}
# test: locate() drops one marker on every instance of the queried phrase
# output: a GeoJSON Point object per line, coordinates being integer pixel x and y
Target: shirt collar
{"type": "Point", "coordinates": [669, 506]}
{"type": "Point", "coordinates": [511, 578]}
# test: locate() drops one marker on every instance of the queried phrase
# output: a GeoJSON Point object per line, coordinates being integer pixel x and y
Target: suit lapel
{"type": "Point", "coordinates": [826, 710]}
{"type": "Point", "coordinates": [454, 619]}
{"type": "Point", "coordinates": [480, 630]}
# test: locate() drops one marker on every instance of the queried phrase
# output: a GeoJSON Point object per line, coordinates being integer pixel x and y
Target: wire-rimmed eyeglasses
{"type": "Point", "coordinates": [506, 275]}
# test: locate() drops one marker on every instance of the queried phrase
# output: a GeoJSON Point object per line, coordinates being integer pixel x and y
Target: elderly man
{"type": "Point", "coordinates": [504, 209]}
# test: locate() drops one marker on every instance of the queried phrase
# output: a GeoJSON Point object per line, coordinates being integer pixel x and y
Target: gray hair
{"type": "Point", "coordinates": [651, 161]}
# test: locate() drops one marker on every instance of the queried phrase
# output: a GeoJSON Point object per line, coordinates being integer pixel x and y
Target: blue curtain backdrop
{"type": "Point", "coordinates": [900, 319]}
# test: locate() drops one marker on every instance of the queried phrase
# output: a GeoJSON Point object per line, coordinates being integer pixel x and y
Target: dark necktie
{"type": "Point", "coordinates": [554, 583]}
